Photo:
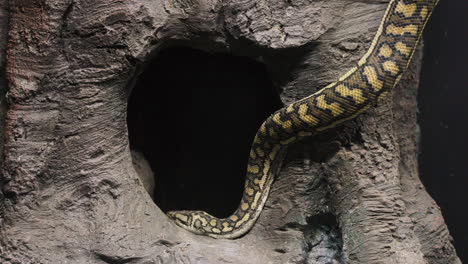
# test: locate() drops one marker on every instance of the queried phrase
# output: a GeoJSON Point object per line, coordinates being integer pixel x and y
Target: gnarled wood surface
{"type": "Point", "coordinates": [71, 194]}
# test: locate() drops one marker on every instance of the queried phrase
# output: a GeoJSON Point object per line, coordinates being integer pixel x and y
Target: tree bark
{"type": "Point", "coordinates": [71, 195]}
{"type": "Point", "coordinates": [3, 81]}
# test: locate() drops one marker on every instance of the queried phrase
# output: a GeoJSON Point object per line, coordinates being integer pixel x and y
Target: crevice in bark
{"type": "Point", "coordinates": [187, 108]}
{"type": "Point", "coordinates": [324, 240]}
{"type": "Point", "coordinates": [114, 260]}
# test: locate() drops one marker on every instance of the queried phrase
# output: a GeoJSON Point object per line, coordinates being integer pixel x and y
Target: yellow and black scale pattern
{"type": "Point", "coordinates": [363, 86]}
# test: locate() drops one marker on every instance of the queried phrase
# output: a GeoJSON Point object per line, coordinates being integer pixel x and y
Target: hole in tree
{"type": "Point", "coordinates": [324, 240]}
{"type": "Point", "coordinates": [194, 115]}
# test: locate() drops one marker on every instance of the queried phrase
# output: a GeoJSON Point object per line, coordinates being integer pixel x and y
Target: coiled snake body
{"type": "Point", "coordinates": [363, 86]}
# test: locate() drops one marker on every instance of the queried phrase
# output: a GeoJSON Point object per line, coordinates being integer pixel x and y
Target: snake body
{"type": "Point", "coordinates": [363, 86]}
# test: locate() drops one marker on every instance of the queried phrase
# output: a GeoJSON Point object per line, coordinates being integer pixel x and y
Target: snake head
{"type": "Point", "coordinates": [194, 221]}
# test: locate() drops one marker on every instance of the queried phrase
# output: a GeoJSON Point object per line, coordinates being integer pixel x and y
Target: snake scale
{"type": "Point", "coordinates": [361, 87]}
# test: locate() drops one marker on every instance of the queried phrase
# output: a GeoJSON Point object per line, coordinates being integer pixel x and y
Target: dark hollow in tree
{"type": "Point", "coordinates": [186, 110]}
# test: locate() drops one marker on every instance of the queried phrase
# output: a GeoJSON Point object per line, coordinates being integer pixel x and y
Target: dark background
{"type": "Point", "coordinates": [443, 117]}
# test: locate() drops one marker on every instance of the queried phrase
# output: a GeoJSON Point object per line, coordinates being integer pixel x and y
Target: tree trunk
{"type": "Point", "coordinates": [70, 193]}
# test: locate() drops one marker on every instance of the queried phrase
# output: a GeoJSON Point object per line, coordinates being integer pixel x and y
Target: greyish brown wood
{"type": "Point", "coordinates": [69, 190]}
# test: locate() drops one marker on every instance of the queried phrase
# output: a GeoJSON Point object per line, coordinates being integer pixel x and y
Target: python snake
{"type": "Point", "coordinates": [363, 86]}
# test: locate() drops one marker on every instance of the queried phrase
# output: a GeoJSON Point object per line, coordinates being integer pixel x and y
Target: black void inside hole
{"type": "Point", "coordinates": [194, 115]}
